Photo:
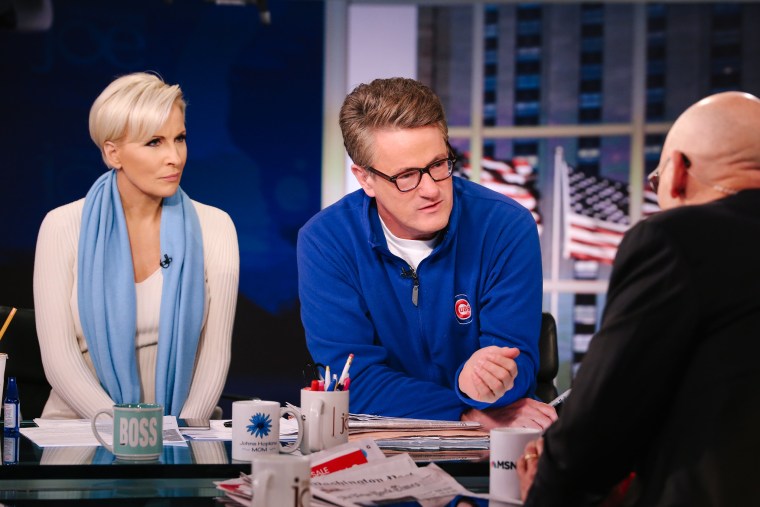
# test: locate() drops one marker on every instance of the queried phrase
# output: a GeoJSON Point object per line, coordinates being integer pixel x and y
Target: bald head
{"type": "Point", "coordinates": [720, 139]}
{"type": "Point", "coordinates": [723, 130]}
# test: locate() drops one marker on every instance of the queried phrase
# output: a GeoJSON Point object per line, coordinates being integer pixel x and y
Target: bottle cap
{"type": "Point", "coordinates": [11, 391]}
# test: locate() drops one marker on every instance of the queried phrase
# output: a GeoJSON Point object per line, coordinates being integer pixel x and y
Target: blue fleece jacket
{"type": "Point", "coordinates": [480, 286]}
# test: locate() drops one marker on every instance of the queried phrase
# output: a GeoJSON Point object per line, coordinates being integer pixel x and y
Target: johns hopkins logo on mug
{"type": "Point", "coordinates": [261, 425]}
{"type": "Point", "coordinates": [462, 309]}
{"type": "Point", "coordinates": [256, 429]}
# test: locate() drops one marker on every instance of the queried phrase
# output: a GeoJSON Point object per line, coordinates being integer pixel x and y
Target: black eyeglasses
{"type": "Point", "coordinates": [654, 176]}
{"type": "Point", "coordinates": [411, 178]}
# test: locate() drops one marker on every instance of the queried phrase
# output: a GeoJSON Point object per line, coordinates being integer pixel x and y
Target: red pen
{"type": "Point", "coordinates": [315, 385]}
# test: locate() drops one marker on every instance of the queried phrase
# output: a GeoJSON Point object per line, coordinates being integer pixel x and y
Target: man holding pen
{"type": "Point", "coordinates": [433, 282]}
{"type": "Point", "coordinates": [668, 389]}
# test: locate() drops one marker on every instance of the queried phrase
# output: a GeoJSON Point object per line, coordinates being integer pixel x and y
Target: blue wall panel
{"type": "Point", "coordinates": [254, 97]}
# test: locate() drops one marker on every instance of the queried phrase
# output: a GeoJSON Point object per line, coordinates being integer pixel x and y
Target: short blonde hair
{"type": "Point", "coordinates": [134, 107]}
{"type": "Point", "coordinates": [394, 103]}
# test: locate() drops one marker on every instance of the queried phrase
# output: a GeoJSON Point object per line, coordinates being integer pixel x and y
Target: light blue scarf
{"type": "Point", "coordinates": [106, 295]}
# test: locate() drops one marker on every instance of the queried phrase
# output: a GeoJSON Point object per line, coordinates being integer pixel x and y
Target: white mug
{"type": "Point", "coordinates": [256, 429]}
{"type": "Point", "coordinates": [280, 480]}
{"type": "Point", "coordinates": [325, 416]}
{"type": "Point", "coordinates": [507, 445]}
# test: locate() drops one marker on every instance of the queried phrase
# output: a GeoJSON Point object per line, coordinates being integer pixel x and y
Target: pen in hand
{"type": "Point", "coordinates": [559, 399]}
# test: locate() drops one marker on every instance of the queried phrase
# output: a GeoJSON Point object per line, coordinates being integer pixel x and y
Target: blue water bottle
{"type": "Point", "coordinates": [11, 408]}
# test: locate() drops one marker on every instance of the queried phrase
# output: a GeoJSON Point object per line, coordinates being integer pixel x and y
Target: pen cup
{"type": "Point", "coordinates": [325, 416]}
{"type": "Point", "coordinates": [279, 480]}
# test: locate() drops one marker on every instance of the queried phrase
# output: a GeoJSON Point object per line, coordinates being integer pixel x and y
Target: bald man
{"type": "Point", "coordinates": [670, 388]}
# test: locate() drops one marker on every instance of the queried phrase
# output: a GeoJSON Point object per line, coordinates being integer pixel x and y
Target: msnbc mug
{"type": "Point", "coordinates": [325, 416]}
{"type": "Point", "coordinates": [280, 480]}
{"type": "Point", "coordinates": [507, 445]}
{"type": "Point", "coordinates": [256, 429]}
{"type": "Point", "coordinates": [137, 431]}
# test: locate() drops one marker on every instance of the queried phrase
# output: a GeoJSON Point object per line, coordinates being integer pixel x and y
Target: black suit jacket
{"type": "Point", "coordinates": [670, 386]}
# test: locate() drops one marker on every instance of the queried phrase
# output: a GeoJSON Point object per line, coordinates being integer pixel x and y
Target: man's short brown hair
{"type": "Point", "coordinates": [394, 103]}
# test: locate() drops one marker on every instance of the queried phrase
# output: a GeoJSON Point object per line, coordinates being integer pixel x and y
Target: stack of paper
{"type": "Point", "coordinates": [78, 432]}
{"type": "Point", "coordinates": [361, 422]}
{"type": "Point", "coordinates": [419, 435]}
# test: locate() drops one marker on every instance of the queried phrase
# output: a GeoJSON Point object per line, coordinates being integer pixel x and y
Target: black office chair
{"type": "Point", "coordinates": [548, 359]}
{"type": "Point", "coordinates": [24, 361]}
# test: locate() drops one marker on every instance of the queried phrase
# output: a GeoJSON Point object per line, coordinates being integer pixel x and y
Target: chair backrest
{"type": "Point", "coordinates": [548, 359]}
{"type": "Point", "coordinates": [24, 361]}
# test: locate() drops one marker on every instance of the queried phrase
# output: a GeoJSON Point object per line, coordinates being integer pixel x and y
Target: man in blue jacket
{"type": "Point", "coordinates": [434, 283]}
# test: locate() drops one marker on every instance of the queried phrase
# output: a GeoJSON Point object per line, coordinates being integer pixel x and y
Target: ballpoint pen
{"type": "Point", "coordinates": [559, 399]}
{"type": "Point", "coordinates": [344, 374]}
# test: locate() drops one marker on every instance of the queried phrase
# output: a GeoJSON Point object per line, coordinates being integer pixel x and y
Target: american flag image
{"type": "Point", "coordinates": [596, 215]}
{"type": "Point", "coordinates": [650, 206]}
{"type": "Point", "coordinates": [515, 179]}
{"type": "Point", "coordinates": [593, 216]}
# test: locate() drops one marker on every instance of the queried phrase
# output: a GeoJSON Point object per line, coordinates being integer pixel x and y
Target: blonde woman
{"type": "Point", "coordinates": [135, 285]}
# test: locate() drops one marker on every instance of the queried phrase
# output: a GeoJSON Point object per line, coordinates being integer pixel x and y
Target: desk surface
{"type": "Point", "coordinates": [183, 476]}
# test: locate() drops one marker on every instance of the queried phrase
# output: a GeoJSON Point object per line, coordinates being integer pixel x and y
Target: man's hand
{"type": "Point", "coordinates": [528, 464]}
{"type": "Point", "coordinates": [524, 413]}
{"type": "Point", "coordinates": [489, 373]}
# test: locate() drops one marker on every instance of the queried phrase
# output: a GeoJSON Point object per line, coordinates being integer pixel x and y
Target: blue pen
{"type": "Point", "coordinates": [328, 378]}
{"type": "Point", "coordinates": [333, 383]}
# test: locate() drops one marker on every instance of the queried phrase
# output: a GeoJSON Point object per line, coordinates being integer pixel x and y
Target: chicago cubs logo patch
{"type": "Point", "coordinates": [462, 309]}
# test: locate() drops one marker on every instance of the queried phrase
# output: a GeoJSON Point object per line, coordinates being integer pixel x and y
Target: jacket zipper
{"type": "Point", "coordinates": [411, 273]}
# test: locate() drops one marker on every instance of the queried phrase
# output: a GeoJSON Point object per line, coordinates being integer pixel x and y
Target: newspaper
{"type": "Point", "coordinates": [325, 462]}
{"type": "Point", "coordinates": [396, 479]}
{"type": "Point", "coordinates": [341, 478]}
